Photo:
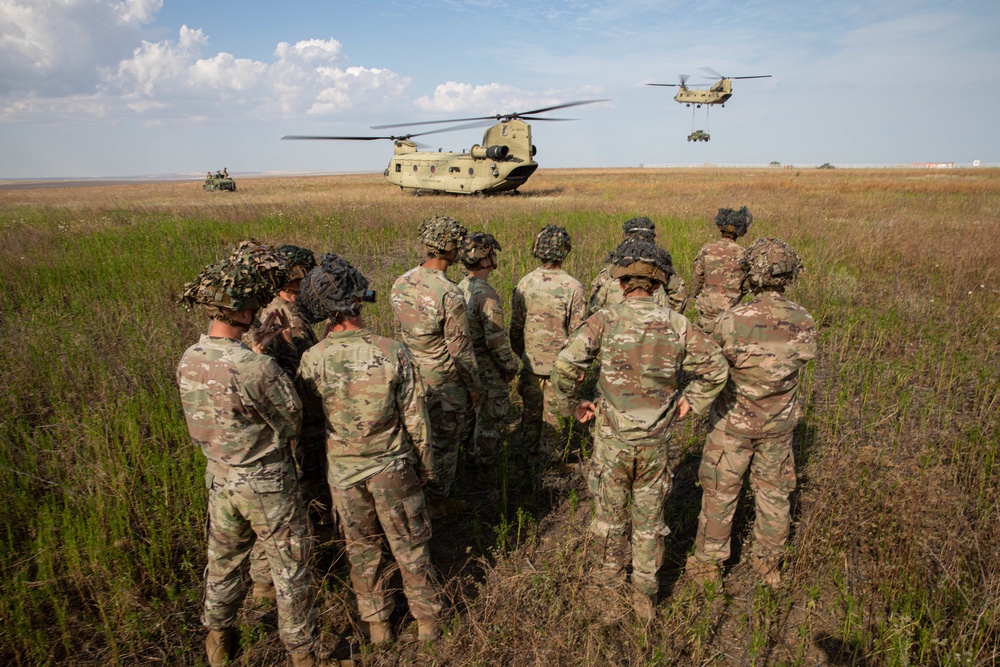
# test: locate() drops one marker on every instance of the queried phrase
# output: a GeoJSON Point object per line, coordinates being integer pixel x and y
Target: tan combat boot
{"type": "Point", "coordinates": [767, 568]}
{"type": "Point", "coordinates": [428, 629]}
{"type": "Point", "coordinates": [217, 646]}
{"type": "Point", "coordinates": [644, 605]}
{"type": "Point", "coordinates": [380, 632]}
{"type": "Point", "coordinates": [702, 573]}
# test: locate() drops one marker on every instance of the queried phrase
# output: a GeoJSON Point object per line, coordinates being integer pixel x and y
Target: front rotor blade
{"type": "Point", "coordinates": [668, 85]}
{"type": "Point", "coordinates": [432, 122]}
{"type": "Point", "coordinates": [301, 136]}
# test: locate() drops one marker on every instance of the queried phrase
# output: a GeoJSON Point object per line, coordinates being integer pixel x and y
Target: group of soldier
{"type": "Point", "coordinates": [370, 429]}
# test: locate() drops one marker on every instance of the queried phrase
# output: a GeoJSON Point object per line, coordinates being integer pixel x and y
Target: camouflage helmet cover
{"type": "Point", "coordinates": [638, 257]}
{"type": "Point", "coordinates": [734, 222]}
{"type": "Point", "coordinates": [441, 233]}
{"type": "Point", "coordinates": [476, 247]}
{"type": "Point", "coordinates": [552, 244]}
{"type": "Point", "coordinates": [300, 261]}
{"type": "Point", "coordinates": [642, 226]}
{"type": "Point", "coordinates": [770, 262]}
{"type": "Point", "coordinates": [270, 264]}
{"type": "Point", "coordinates": [225, 287]}
{"type": "Point", "coordinates": [332, 290]}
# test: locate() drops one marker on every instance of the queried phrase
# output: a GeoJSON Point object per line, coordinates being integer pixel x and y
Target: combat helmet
{"type": "Point", "coordinates": [300, 261]}
{"type": "Point", "coordinates": [441, 234]}
{"type": "Point", "coordinates": [734, 223]}
{"type": "Point", "coordinates": [270, 264]}
{"type": "Point", "coordinates": [770, 263]}
{"type": "Point", "coordinates": [642, 262]}
{"type": "Point", "coordinates": [227, 287]}
{"type": "Point", "coordinates": [641, 226]}
{"type": "Point", "coordinates": [476, 247]}
{"type": "Point", "coordinates": [552, 244]}
{"type": "Point", "coordinates": [333, 290]}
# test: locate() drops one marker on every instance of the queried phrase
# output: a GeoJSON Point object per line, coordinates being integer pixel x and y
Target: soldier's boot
{"type": "Point", "coordinates": [767, 568]}
{"type": "Point", "coordinates": [702, 573]}
{"type": "Point", "coordinates": [380, 632]}
{"type": "Point", "coordinates": [217, 646]}
{"type": "Point", "coordinates": [428, 629]}
{"type": "Point", "coordinates": [644, 605]}
{"type": "Point", "coordinates": [264, 593]}
{"type": "Point", "coordinates": [309, 659]}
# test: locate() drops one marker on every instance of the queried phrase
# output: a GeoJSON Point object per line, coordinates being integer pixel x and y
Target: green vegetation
{"type": "Point", "coordinates": [893, 553]}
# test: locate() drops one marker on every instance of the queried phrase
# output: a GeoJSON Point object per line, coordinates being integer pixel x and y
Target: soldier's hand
{"type": "Point", "coordinates": [683, 408]}
{"type": "Point", "coordinates": [268, 331]}
{"type": "Point", "coordinates": [584, 411]}
{"type": "Point", "coordinates": [286, 326]}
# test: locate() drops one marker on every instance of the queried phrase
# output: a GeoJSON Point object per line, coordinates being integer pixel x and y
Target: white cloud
{"type": "Point", "coordinates": [453, 97]}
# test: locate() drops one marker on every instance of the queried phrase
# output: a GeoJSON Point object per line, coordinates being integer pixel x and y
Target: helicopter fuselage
{"type": "Point", "coordinates": [718, 93]}
{"type": "Point", "coordinates": [504, 161]}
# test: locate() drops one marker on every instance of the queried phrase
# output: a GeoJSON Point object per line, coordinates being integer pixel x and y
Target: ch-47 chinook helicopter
{"type": "Point", "coordinates": [503, 162]}
{"type": "Point", "coordinates": [716, 93]}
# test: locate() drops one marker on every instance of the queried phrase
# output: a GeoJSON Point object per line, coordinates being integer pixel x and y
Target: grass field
{"type": "Point", "coordinates": [896, 521]}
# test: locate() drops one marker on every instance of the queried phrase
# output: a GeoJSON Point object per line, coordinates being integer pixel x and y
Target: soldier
{"type": "Point", "coordinates": [496, 361]}
{"type": "Point", "coordinates": [300, 335]}
{"type": "Point", "coordinates": [604, 290]}
{"type": "Point", "coordinates": [431, 313]}
{"type": "Point", "coordinates": [767, 342]}
{"type": "Point", "coordinates": [378, 448]}
{"type": "Point", "coordinates": [643, 346]}
{"type": "Point", "coordinates": [717, 279]}
{"type": "Point", "coordinates": [244, 412]}
{"type": "Point", "coordinates": [547, 306]}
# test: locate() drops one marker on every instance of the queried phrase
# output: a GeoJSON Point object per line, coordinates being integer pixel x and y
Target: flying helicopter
{"type": "Point", "coordinates": [503, 162]}
{"type": "Point", "coordinates": [716, 93]}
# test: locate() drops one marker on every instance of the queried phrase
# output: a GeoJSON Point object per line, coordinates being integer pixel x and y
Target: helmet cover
{"type": "Point", "coordinates": [734, 222]}
{"type": "Point", "coordinates": [441, 234]}
{"type": "Point", "coordinates": [476, 247]}
{"type": "Point", "coordinates": [227, 286]}
{"type": "Point", "coordinates": [332, 290]}
{"type": "Point", "coordinates": [552, 244]}
{"type": "Point", "coordinates": [270, 264]}
{"type": "Point", "coordinates": [770, 262]}
{"type": "Point", "coordinates": [300, 261]}
{"type": "Point", "coordinates": [639, 257]}
{"type": "Point", "coordinates": [642, 226]}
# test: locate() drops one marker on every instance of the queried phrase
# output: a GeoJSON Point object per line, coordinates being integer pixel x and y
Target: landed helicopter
{"type": "Point", "coordinates": [502, 163]}
{"type": "Point", "coordinates": [716, 93]}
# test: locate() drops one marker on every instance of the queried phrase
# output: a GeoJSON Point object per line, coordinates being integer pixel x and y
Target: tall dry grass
{"type": "Point", "coordinates": [893, 558]}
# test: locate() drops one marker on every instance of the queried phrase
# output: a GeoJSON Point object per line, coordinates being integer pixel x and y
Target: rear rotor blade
{"type": "Point", "coordinates": [712, 72]}
{"type": "Point", "coordinates": [759, 76]}
{"type": "Point", "coordinates": [495, 117]}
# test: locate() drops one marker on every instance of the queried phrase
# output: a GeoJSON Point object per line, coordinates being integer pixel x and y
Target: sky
{"type": "Point", "coordinates": [108, 88]}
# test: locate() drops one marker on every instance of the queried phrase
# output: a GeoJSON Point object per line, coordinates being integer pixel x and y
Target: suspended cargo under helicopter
{"type": "Point", "coordinates": [502, 163]}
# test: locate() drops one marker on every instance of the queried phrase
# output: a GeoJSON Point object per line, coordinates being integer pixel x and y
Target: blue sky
{"type": "Point", "coordinates": [92, 88]}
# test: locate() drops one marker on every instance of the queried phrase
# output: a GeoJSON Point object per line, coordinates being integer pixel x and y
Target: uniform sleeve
{"type": "Point", "coordinates": [572, 363]}
{"type": "Point", "coordinates": [496, 335]}
{"type": "Point", "coordinates": [410, 403]}
{"type": "Point", "coordinates": [598, 293]}
{"type": "Point", "coordinates": [698, 274]}
{"type": "Point", "coordinates": [577, 309]}
{"type": "Point", "coordinates": [677, 297]}
{"type": "Point", "coordinates": [518, 313]}
{"type": "Point", "coordinates": [803, 346]}
{"type": "Point", "coordinates": [458, 342]}
{"type": "Point", "coordinates": [276, 401]}
{"type": "Point", "coordinates": [313, 417]}
{"type": "Point", "coordinates": [703, 359]}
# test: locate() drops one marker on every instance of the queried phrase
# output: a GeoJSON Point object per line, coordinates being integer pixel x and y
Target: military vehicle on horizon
{"type": "Point", "coordinates": [502, 163]}
{"type": "Point", "coordinates": [220, 180]}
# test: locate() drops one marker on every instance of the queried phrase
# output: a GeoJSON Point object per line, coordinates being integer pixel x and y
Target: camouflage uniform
{"type": "Point", "coordinates": [243, 412]}
{"type": "Point", "coordinates": [378, 437]}
{"type": "Point", "coordinates": [433, 324]}
{"type": "Point", "coordinates": [717, 278]}
{"type": "Point", "coordinates": [497, 366]}
{"type": "Point", "coordinates": [766, 341]}
{"type": "Point", "coordinates": [547, 307]}
{"type": "Point", "coordinates": [642, 348]}
{"type": "Point", "coordinates": [605, 292]}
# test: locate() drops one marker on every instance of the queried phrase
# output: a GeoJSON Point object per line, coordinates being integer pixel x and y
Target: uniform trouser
{"type": "Point", "coordinates": [772, 478]}
{"type": "Point", "coordinates": [629, 479]}
{"type": "Point", "coordinates": [539, 420]}
{"type": "Point", "coordinates": [490, 424]}
{"type": "Point", "coordinates": [250, 504]}
{"type": "Point", "coordinates": [447, 406]}
{"type": "Point", "coordinates": [390, 502]}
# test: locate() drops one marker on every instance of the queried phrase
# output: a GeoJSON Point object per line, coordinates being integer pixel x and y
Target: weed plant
{"type": "Point", "coordinates": [893, 557]}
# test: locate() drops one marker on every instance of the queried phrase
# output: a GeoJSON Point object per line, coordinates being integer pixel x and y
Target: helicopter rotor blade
{"type": "Point", "coordinates": [759, 76]}
{"type": "Point", "coordinates": [313, 137]}
{"type": "Point", "coordinates": [713, 72]}
{"type": "Point", "coordinates": [494, 117]}
{"type": "Point", "coordinates": [404, 137]}
{"type": "Point", "coordinates": [668, 85]}
{"type": "Point", "coordinates": [683, 78]}
{"type": "Point", "coordinates": [542, 118]}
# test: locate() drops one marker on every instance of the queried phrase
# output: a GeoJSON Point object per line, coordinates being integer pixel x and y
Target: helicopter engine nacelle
{"type": "Point", "coordinates": [497, 152]}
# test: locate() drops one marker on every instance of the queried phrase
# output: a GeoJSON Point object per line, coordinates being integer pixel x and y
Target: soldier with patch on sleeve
{"type": "Point", "coordinates": [430, 310]}
{"type": "Point", "coordinates": [548, 305]}
{"type": "Point", "coordinates": [717, 279]}
{"type": "Point", "coordinates": [496, 361]}
{"type": "Point", "coordinates": [244, 413]}
{"type": "Point", "coordinates": [378, 449]}
{"type": "Point", "coordinates": [643, 347]}
{"type": "Point", "coordinates": [766, 341]}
